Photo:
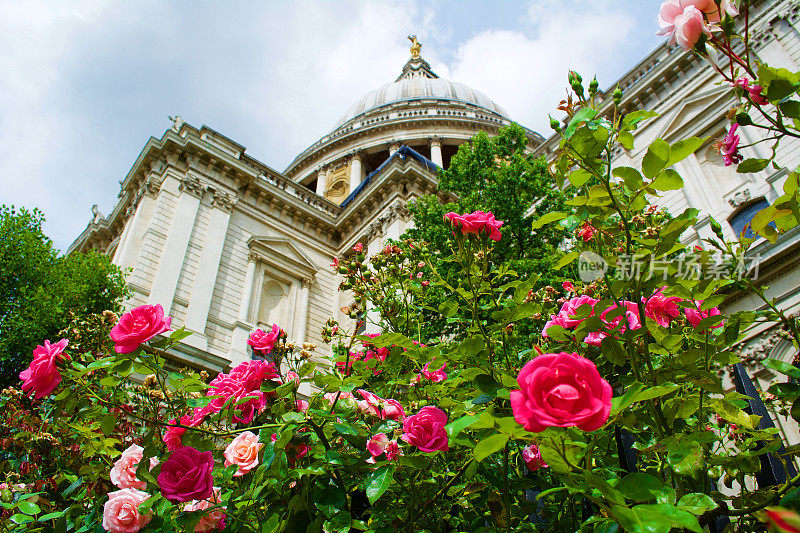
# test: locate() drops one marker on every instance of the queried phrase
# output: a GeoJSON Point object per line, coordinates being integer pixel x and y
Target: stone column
{"type": "Point", "coordinates": [169, 268]}
{"type": "Point", "coordinates": [356, 170]}
{"type": "Point", "coordinates": [322, 180]}
{"type": "Point", "coordinates": [436, 150]}
{"type": "Point", "coordinates": [393, 147]}
{"type": "Point", "coordinates": [302, 309]}
{"type": "Point", "coordinates": [239, 349]}
{"type": "Point", "coordinates": [206, 277]}
{"type": "Point", "coordinates": [142, 207]}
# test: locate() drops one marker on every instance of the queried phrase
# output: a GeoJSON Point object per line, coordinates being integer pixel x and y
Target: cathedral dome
{"type": "Point", "coordinates": [418, 87]}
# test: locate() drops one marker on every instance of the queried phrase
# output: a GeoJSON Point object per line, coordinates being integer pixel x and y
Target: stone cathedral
{"type": "Point", "coordinates": [228, 244]}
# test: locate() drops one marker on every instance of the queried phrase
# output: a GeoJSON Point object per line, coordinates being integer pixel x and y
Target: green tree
{"type": "Point", "coordinates": [497, 174]}
{"type": "Point", "coordinates": [40, 291]}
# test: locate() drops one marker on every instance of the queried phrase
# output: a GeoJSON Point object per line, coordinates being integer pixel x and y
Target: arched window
{"type": "Point", "coordinates": [744, 215]}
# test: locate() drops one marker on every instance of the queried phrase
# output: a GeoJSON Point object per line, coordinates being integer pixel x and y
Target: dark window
{"type": "Point", "coordinates": [745, 215]}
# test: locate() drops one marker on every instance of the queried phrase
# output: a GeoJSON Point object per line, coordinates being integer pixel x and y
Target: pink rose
{"type": "Point", "coordinates": [568, 286]}
{"type": "Point", "coordinates": [661, 308]}
{"type": "Point", "coordinates": [753, 91]}
{"type": "Point", "coordinates": [379, 444]}
{"type": "Point", "coordinates": [251, 374]}
{"type": "Point", "coordinates": [302, 405]}
{"type": "Point", "coordinates": [683, 22]}
{"type": "Point", "coordinates": [262, 341]}
{"type": "Point", "coordinates": [555, 320]}
{"type": "Point", "coordinates": [139, 326]}
{"type": "Point", "coordinates": [294, 452]}
{"type": "Point", "coordinates": [380, 407]}
{"type": "Point", "coordinates": [436, 375]}
{"type": "Point", "coordinates": [42, 377]}
{"type": "Point", "coordinates": [212, 520]}
{"type": "Point", "coordinates": [561, 390]}
{"type": "Point", "coordinates": [123, 473]}
{"type": "Point", "coordinates": [631, 316]}
{"type": "Point", "coordinates": [186, 475]}
{"type": "Point", "coordinates": [476, 223]}
{"type": "Point", "coordinates": [359, 247]}
{"type": "Point", "coordinates": [331, 397]}
{"type": "Point", "coordinates": [586, 232]}
{"type": "Point", "coordinates": [728, 147]}
{"type": "Point", "coordinates": [426, 430]}
{"type": "Point", "coordinates": [243, 452]}
{"type": "Point", "coordinates": [121, 511]}
{"type": "Point", "coordinates": [224, 387]}
{"type": "Point", "coordinates": [174, 435]}
{"type": "Point", "coordinates": [533, 457]}
{"type": "Point", "coordinates": [569, 310]}
{"type": "Point", "coordinates": [783, 520]}
{"type": "Point", "coordinates": [694, 315]}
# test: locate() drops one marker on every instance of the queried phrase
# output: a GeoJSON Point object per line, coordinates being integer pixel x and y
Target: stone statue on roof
{"type": "Point", "coordinates": [416, 46]}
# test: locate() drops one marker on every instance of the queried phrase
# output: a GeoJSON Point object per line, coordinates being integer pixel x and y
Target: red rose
{"type": "Point", "coordinates": [139, 326]}
{"type": "Point", "coordinates": [263, 341]}
{"type": "Point", "coordinates": [425, 430]}
{"type": "Point", "coordinates": [561, 390]}
{"type": "Point", "coordinates": [251, 374]}
{"type": "Point", "coordinates": [186, 475]}
{"type": "Point", "coordinates": [42, 377]}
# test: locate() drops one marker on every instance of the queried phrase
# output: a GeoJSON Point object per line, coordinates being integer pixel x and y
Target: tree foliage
{"type": "Point", "coordinates": [39, 289]}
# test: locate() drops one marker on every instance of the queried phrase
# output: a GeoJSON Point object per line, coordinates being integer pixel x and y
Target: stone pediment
{"type": "Point", "coordinates": [280, 252]}
{"type": "Point", "coordinates": [692, 111]}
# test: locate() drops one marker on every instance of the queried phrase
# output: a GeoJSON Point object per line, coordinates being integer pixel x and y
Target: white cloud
{"type": "Point", "coordinates": [526, 72]}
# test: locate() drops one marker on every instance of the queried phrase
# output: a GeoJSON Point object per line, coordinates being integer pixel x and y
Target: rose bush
{"type": "Point", "coordinates": [616, 417]}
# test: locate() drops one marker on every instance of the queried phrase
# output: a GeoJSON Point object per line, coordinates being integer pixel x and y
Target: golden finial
{"type": "Point", "coordinates": [416, 46]}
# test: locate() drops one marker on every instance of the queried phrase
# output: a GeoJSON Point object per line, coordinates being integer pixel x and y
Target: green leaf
{"type": "Point", "coordinates": [567, 259]}
{"type": "Point", "coordinates": [640, 487]}
{"type": "Point", "coordinates": [697, 503]}
{"type": "Point", "coordinates": [578, 177]}
{"type": "Point", "coordinates": [585, 114]}
{"type": "Point", "coordinates": [667, 180]}
{"type": "Point", "coordinates": [625, 139]}
{"type": "Point", "coordinates": [782, 367]}
{"type": "Point", "coordinates": [791, 108]}
{"type": "Point", "coordinates": [107, 424]}
{"type": "Point", "coordinates": [378, 481]}
{"type": "Point", "coordinates": [752, 165]}
{"type": "Point", "coordinates": [655, 392]}
{"type": "Point", "coordinates": [632, 177]}
{"type": "Point", "coordinates": [654, 518]}
{"type": "Point", "coordinates": [487, 384]}
{"type": "Point", "coordinates": [330, 499]}
{"type": "Point", "coordinates": [547, 219]}
{"type": "Point", "coordinates": [656, 158]}
{"type": "Point", "coordinates": [29, 508]}
{"type": "Point", "coordinates": [457, 426]}
{"type": "Point", "coordinates": [637, 116]}
{"type": "Point", "coordinates": [340, 523]}
{"type": "Point", "coordinates": [685, 457]}
{"type": "Point", "coordinates": [490, 445]}
{"type": "Point", "coordinates": [613, 351]}
{"type": "Point", "coordinates": [682, 149]}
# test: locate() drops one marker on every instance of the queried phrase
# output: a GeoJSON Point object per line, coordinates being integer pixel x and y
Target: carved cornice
{"type": "Point", "coordinates": [434, 140]}
{"type": "Point", "coordinates": [223, 201]}
{"type": "Point", "coordinates": [193, 186]}
{"type": "Point", "coordinates": [739, 198]}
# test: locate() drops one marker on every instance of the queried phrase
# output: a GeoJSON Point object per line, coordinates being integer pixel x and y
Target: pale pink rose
{"type": "Point", "coordinates": [139, 326]}
{"type": "Point", "coordinates": [730, 7]}
{"type": "Point", "coordinates": [661, 308]}
{"type": "Point", "coordinates": [291, 375]}
{"type": "Point", "coordinates": [42, 376]}
{"type": "Point", "coordinates": [243, 452]}
{"type": "Point", "coordinates": [679, 20]}
{"type": "Point", "coordinates": [689, 26]}
{"type": "Point", "coordinates": [331, 397]}
{"type": "Point", "coordinates": [121, 511]}
{"type": "Point", "coordinates": [123, 473]}
{"type": "Point", "coordinates": [382, 408]}
{"type": "Point", "coordinates": [211, 520]}
{"type": "Point", "coordinates": [376, 445]}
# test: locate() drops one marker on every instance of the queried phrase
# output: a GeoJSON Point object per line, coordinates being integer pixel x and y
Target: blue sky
{"type": "Point", "coordinates": [86, 83]}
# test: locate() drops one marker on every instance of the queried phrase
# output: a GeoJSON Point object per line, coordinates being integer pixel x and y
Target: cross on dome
{"type": "Point", "coordinates": [416, 67]}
